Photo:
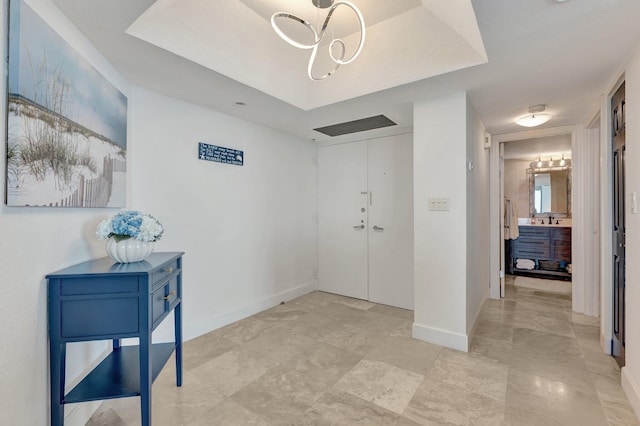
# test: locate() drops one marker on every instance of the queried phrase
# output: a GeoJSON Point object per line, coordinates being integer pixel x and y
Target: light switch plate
{"type": "Point", "coordinates": [439, 203]}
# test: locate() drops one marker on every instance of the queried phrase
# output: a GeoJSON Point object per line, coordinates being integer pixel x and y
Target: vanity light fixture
{"type": "Point", "coordinates": [535, 117]}
{"type": "Point", "coordinates": [545, 166]}
{"type": "Point", "coordinates": [550, 161]}
{"type": "Point", "coordinates": [539, 162]}
{"type": "Point", "coordinates": [563, 162]}
{"type": "Point", "coordinates": [337, 47]}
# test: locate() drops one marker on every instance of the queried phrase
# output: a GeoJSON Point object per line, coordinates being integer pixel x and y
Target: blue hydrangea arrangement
{"type": "Point", "coordinates": [130, 224]}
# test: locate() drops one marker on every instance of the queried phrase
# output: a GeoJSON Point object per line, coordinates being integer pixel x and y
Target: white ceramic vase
{"type": "Point", "coordinates": [129, 250]}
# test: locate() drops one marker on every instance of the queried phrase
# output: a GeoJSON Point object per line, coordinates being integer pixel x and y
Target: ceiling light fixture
{"type": "Point", "coordinates": [535, 117]}
{"type": "Point", "coordinates": [336, 44]}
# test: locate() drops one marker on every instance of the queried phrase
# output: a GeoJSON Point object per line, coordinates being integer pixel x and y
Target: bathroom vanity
{"type": "Point", "coordinates": [548, 246]}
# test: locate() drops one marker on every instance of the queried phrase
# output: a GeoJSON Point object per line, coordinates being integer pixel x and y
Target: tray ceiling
{"type": "Point", "coordinates": [406, 41]}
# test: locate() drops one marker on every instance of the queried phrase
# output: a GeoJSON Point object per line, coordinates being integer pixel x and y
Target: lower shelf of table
{"type": "Point", "coordinates": [118, 375]}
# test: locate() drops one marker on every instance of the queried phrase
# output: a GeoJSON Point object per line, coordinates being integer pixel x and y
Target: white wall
{"type": "Point", "coordinates": [478, 219]}
{"type": "Point", "coordinates": [34, 242]}
{"type": "Point", "coordinates": [249, 232]}
{"type": "Point", "coordinates": [516, 185]}
{"type": "Point", "coordinates": [440, 237]}
{"type": "Point", "coordinates": [631, 372]}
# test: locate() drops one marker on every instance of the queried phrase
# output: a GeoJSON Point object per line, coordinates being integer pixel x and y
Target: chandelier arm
{"type": "Point", "coordinates": [312, 60]}
{"type": "Point", "coordinates": [288, 39]}
{"type": "Point", "coordinates": [350, 5]}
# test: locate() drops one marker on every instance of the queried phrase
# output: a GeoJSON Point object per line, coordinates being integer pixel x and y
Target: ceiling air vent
{"type": "Point", "coordinates": [369, 123]}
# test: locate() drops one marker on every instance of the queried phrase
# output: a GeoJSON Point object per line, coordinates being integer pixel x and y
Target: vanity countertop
{"type": "Point", "coordinates": [562, 222]}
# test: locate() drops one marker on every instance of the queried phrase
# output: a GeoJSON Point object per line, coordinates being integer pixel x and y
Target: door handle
{"type": "Point", "coordinates": [359, 227]}
{"type": "Point", "coordinates": [377, 228]}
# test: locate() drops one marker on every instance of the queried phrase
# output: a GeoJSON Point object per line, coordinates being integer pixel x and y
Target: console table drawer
{"type": "Point", "coordinates": [100, 285]}
{"type": "Point", "coordinates": [164, 272]}
{"type": "Point", "coordinates": [163, 300]}
{"type": "Point", "coordinates": [99, 318]}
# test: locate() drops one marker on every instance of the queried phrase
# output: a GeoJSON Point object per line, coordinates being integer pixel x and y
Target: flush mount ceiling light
{"type": "Point", "coordinates": [337, 47]}
{"type": "Point", "coordinates": [535, 117]}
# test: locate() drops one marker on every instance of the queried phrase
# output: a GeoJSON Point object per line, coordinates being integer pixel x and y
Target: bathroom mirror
{"type": "Point", "coordinates": [550, 192]}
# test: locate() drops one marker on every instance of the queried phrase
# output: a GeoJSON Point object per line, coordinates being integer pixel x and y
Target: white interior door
{"type": "Point", "coordinates": [342, 219]}
{"type": "Point", "coordinates": [391, 221]}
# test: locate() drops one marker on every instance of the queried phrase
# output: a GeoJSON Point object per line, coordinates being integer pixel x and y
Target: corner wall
{"type": "Point", "coordinates": [478, 220]}
{"type": "Point", "coordinates": [440, 237]}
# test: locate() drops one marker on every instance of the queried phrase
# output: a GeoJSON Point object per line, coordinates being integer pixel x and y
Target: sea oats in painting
{"type": "Point", "coordinates": [66, 124]}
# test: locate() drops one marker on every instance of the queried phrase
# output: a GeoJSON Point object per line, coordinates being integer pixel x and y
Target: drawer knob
{"type": "Point", "coordinates": [170, 295]}
{"type": "Point", "coordinates": [168, 270]}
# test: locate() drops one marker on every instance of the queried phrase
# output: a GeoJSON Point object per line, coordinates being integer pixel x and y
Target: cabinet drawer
{"type": "Point", "coordinates": [533, 231]}
{"type": "Point", "coordinates": [562, 234]}
{"type": "Point", "coordinates": [87, 318]}
{"type": "Point", "coordinates": [164, 272]}
{"type": "Point", "coordinates": [531, 248]}
{"type": "Point", "coordinates": [562, 250]}
{"type": "Point", "coordinates": [163, 299]}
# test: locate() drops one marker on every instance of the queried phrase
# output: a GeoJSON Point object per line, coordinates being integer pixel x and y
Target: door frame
{"type": "Point", "coordinates": [602, 111]}
{"type": "Point", "coordinates": [496, 227]}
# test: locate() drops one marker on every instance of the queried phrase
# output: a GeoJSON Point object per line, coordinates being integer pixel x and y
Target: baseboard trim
{"type": "Point", "coordinates": [631, 389]}
{"type": "Point", "coordinates": [441, 337]}
{"type": "Point", "coordinates": [195, 329]}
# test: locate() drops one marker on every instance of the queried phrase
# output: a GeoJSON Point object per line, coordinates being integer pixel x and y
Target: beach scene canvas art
{"type": "Point", "coordinates": [66, 123]}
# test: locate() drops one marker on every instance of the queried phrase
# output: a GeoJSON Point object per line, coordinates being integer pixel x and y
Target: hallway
{"type": "Point", "coordinates": [326, 359]}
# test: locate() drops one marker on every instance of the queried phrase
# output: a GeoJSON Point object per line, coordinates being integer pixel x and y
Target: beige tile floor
{"type": "Point", "coordinates": [324, 359]}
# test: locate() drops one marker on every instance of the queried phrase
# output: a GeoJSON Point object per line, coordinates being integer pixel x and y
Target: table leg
{"type": "Point", "coordinates": [57, 354]}
{"type": "Point", "coordinates": [145, 377]}
{"type": "Point", "coordinates": [177, 316]}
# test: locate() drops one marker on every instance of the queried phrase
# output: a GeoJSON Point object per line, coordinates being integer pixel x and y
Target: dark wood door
{"type": "Point", "coordinates": [618, 136]}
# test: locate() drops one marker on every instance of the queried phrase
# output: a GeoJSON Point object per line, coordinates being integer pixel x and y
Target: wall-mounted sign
{"type": "Point", "coordinates": [220, 154]}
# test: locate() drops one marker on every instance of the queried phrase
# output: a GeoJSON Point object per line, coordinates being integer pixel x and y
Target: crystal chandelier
{"type": "Point", "coordinates": [337, 47]}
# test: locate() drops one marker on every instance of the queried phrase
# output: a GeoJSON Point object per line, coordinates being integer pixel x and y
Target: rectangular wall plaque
{"type": "Point", "coordinates": [220, 154]}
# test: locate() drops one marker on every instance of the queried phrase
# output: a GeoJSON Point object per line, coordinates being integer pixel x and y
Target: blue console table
{"type": "Point", "coordinates": [103, 300]}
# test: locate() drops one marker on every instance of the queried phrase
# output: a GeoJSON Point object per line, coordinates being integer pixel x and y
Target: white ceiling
{"type": "Point", "coordinates": [530, 149]}
{"type": "Point", "coordinates": [539, 52]}
{"type": "Point", "coordinates": [405, 40]}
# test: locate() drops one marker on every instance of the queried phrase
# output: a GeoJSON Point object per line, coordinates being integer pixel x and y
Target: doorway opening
{"type": "Point", "coordinates": [536, 185]}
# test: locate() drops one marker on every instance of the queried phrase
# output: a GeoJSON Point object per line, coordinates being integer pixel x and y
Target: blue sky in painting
{"type": "Point", "coordinates": [95, 103]}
